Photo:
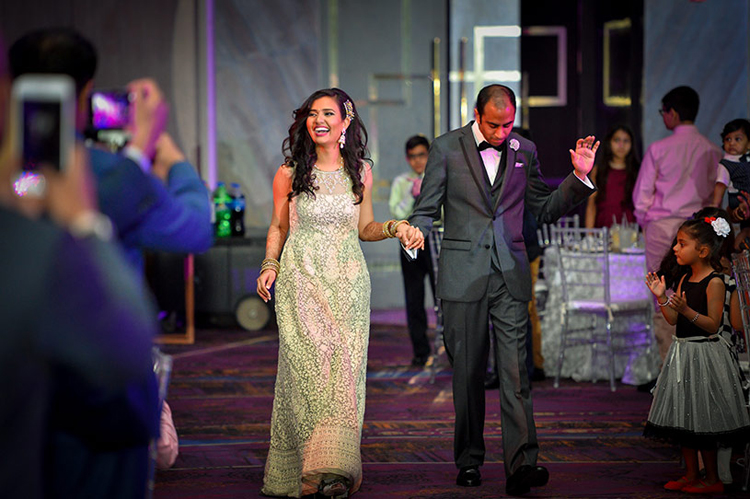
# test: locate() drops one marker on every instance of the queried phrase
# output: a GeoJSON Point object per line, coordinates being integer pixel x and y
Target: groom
{"type": "Point", "coordinates": [483, 177]}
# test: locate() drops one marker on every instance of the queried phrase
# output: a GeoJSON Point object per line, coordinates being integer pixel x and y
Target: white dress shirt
{"type": "Point", "coordinates": [490, 157]}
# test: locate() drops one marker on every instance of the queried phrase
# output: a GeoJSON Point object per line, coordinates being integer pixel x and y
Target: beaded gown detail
{"type": "Point", "coordinates": [323, 313]}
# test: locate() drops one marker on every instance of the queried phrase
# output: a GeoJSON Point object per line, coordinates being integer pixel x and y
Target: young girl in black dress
{"type": "Point", "coordinates": [698, 400]}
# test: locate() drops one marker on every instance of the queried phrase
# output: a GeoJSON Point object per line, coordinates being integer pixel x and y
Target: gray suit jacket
{"type": "Point", "coordinates": [478, 220]}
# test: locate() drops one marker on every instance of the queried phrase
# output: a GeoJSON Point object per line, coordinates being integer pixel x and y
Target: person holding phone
{"type": "Point", "coordinates": [68, 301]}
{"type": "Point", "coordinates": [156, 201]}
{"type": "Point", "coordinates": [165, 206]}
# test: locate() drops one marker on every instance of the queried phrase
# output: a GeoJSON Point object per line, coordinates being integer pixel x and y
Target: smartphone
{"type": "Point", "coordinates": [43, 109]}
{"type": "Point", "coordinates": [110, 109]}
{"type": "Point", "coordinates": [109, 117]}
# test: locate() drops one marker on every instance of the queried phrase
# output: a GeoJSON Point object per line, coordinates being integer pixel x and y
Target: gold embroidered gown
{"type": "Point", "coordinates": [323, 312]}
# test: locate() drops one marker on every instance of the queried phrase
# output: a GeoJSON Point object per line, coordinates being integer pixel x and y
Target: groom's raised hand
{"type": "Point", "coordinates": [584, 155]}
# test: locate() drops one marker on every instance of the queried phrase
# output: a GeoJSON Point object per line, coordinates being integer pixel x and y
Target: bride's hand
{"type": "Point", "coordinates": [266, 279]}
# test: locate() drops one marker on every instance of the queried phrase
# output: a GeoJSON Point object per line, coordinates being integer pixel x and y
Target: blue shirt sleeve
{"type": "Point", "coordinates": [179, 220]}
{"type": "Point", "coordinates": [148, 214]}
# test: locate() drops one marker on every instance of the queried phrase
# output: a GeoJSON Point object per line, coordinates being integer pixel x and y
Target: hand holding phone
{"type": "Point", "coordinates": [149, 115]}
{"type": "Point", "coordinates": [72, 192]}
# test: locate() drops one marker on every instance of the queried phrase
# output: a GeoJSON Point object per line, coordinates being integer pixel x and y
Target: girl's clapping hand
{"type": "Point", "coordinates": [656, 284]}
{"type": "Point", "coordinates": [678, 303]}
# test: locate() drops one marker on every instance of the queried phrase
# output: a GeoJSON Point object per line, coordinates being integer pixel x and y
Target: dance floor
{"type": "Point", "coordinates": [222, 392]}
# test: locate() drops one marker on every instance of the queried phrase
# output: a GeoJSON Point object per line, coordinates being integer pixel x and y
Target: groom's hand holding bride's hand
{"type": "Point", "coordinates": [410, 237]}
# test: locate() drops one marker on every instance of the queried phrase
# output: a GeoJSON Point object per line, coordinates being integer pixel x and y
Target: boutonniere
{"type": "Point", "coordinates": [514, 144]}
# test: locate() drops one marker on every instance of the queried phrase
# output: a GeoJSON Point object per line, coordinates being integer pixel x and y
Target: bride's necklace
{"type": "Point", "coordinates": [330, 179]}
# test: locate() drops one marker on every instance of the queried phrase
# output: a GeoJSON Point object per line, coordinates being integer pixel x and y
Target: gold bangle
{"type": "Point", "coordinates": [392, 228]}
{"type": "Point", "coordinates": [385, 228]}
{"type": "Point", "coordinates": [388, 228]}
{"type": "Point", "coordinates": [395, 227]}
{"type": "Point", "coordinates": [270, 263]}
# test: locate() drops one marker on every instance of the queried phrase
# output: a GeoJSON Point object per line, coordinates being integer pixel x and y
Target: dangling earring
{"type": "Point", "coordinates": [349, 109]}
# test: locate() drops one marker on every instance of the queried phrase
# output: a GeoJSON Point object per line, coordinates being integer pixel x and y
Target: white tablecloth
{"type": "Point", "coordinates": [627, 274]}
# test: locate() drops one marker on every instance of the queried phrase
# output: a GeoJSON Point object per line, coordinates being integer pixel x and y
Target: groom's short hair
{"type": "Point", "coordinates": [499, 94]}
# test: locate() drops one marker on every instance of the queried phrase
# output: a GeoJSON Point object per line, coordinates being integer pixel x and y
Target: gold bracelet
{"type": "Point", "coordinates": [388, 228]}
{"type": "Point", "coordinates": [392, 228]}
{"type": "Point", "coordinates": [395, 227]}
{"type": "Point", "coordinates": [270, 263]}
{"type": "Point", "coordinates": [385, 228]}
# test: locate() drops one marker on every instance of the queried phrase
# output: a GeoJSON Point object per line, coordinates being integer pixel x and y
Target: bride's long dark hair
{"type": "Point", "coordinates": [299, 148]}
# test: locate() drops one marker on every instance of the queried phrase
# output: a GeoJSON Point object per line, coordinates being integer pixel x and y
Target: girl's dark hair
{"type": "Point", "coordinates": [632, 165]}
{"type": "Point", "coordinates": [700, 229]}
{"type": "Point", "coordinates": [672, 271]}
{"type": "Point", "coordinates": [299, 148]}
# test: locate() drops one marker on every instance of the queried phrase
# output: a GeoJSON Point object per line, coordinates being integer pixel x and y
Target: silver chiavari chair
{"type": "Point", "coordinates": [583, 260]}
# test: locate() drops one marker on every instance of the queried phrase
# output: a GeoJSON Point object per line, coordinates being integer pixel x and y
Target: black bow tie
{"type": "Point", "coordinates": [486, 145]}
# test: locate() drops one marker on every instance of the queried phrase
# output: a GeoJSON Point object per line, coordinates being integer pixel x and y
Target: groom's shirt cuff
{"type": "Point", "coordinates": [585, 180]}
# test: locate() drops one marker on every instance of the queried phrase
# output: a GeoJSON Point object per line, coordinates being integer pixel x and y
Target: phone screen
{"type": "Point", "coordinates": [110, 110]}
{"type": "Point", "coordinates": [41, 134]}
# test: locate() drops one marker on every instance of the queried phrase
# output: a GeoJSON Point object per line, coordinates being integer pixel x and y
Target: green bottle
{"type": "Point", "coordinates": [222, 205]}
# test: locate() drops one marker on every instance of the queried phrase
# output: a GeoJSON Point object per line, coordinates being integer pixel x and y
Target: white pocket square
{"type": "Point", "coordinates": [519, 165]}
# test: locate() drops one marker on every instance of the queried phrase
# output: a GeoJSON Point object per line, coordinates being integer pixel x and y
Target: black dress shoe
{"type": "Point", "coordinates": [469, 477]}
{"type": "Point", "coordinates": [419, 361]}
{"type": "Point", "coordinates": [491, 381]}
{"type": "Point", "coordinates": [524, 478]}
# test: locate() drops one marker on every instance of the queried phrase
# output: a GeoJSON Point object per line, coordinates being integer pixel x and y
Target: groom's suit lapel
{"type": "Point", "coordinates": [474, 162]}
{"type": "Point", "coordinates": [506, 170]}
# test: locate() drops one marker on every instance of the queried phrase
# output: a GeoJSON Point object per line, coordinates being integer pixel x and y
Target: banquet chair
{"type": "Point", "coordinates": [544, 232]}
{"type": "Point", "coordinates": [583, 260]}
{"type": "Point", "coordinates": [741, 268]}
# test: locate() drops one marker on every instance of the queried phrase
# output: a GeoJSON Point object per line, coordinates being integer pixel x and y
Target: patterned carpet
{"type": "Point", "coordinates": [222, 392]}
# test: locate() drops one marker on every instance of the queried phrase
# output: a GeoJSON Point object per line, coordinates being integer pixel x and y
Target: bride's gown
{"type": "Point", "coordinates": [323, 312]}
